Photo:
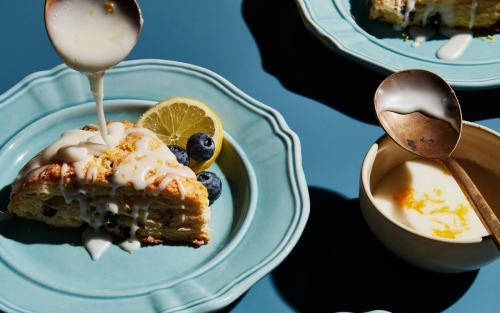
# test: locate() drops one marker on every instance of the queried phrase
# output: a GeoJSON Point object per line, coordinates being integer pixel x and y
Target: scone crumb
{"type": "Point", "coordinates": [151, 239]}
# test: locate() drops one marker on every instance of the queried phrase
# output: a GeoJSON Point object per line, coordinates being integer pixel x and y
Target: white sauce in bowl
{"type": "Point", "coordinates": [422, 195]}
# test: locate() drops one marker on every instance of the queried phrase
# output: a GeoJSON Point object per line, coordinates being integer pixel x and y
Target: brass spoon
{"type": "Point", "coordinates": [129, 7]}
{"type": "Point", "coordinates": [425, 134]}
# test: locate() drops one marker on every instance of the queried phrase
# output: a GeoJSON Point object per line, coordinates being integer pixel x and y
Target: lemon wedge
{"type": "Point", "coordinates": [174, 120]}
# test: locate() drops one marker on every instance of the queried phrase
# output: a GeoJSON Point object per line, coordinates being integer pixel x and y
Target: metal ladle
{"type": "Point", "coordinates": [428, 136]}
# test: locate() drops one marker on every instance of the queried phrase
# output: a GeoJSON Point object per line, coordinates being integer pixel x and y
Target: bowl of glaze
{"type": "Point", "coordinates": [479, 154]}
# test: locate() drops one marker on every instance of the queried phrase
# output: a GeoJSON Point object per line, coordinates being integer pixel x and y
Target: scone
{"type": "Point", "coordinates": [449, 13]}
{"type": "Point", "coordinates": [135, 189]}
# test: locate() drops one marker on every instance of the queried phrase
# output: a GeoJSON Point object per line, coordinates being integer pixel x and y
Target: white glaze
{"type": "Point", "coordinates": [410, 5]}
{"type": "Point", "coordinates": [472, 13]}
{"type": "Point", "coordinates": [433, 102]}
{"type": "Point", "coordinates": [142, 167]}
{"type": "Point", "coordinates": [428, 180]}
{"type": "Point", "coordinates": [421, 34]}
{"type": "Point", "coordinates": [143, 162]}
{"type": "Point", "coordinates": [132, 243]}
{"type": "Point", "coordinates": [446, 9]}
{"type": "Point", "coordinates": [96, 81]}
{"type": "Point", "coordinates": [397, 27]}
{"type": "Point", "coordinates": [431, 4]}
{"type": "Point", "coordinates": [96, 241]}
{"type": "Point", "coordinates": [457, 44]}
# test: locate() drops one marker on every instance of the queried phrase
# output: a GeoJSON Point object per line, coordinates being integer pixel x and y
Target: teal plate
{"type": "Point", "coordinates": [255, 224]}
{"type": "Point", "coordinates": [343, 25]}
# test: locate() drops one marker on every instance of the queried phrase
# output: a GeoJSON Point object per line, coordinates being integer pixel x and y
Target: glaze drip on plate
{"type": "Point", "coordinates": [459, 38]}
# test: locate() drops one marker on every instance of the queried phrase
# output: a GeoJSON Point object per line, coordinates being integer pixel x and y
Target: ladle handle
{"type": "Point", "coordinates": [476, 200]}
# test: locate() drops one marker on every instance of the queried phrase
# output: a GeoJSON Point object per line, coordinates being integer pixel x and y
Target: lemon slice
{"type": "Point", "coordinates": [174, 120]}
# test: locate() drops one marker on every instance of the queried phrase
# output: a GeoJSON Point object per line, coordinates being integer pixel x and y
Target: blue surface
{"type": "Point", "coordinates": [345, 27]}
{"type": "Point", "coordinates": [263, 48]}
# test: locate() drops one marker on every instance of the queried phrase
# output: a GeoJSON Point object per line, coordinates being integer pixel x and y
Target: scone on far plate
{"type": "Point", "coordinates": [134, 188]}
{"type": "Point", "coordinates": [449, 13]}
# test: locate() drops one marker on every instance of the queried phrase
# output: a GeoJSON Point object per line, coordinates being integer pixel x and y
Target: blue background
{"type": "Point", "coordinates": [262, 47]}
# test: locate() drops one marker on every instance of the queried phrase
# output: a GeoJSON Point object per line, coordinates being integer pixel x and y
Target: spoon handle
{"type": "Point", "coordinates": [476, 200]}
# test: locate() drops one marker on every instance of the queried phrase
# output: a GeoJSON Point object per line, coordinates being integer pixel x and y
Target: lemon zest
{"type": "Point", "coordinates": [109, 6]}
{"type": "Point", "coordinates": [443, 223]}
{"type": "Point", "coordinates": [460, 212]}
{"type": "Point", "coordinates": [405, 199]}
{"type": "Point", "coordinates": [127, 161]}
{"type": "Point", "coordinates": [448, 233]}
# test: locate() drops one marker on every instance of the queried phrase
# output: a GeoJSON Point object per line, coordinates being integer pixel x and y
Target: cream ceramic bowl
{"type": "Point", "coordinates": [479, 153]}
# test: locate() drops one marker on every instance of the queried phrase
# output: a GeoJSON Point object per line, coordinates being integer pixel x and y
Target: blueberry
{"type": "Point", "coordinates": [213, 184]}
{"type": "Point", "coordinates": [48, 211]}
{"type": "Point", "coordinates": [111, 220]}
{"type": "Point", "coordinates": [125, 231]}
{"type": "Point", "coordinates": [435, 21]}
{"type": "Point", "coordinates": [200, 147]}
{"type": "Point", "coordinates": [180, 154]}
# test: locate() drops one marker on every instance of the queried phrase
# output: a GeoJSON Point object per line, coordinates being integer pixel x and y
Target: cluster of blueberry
{"type": "Point", "coordinates": [200, 147]}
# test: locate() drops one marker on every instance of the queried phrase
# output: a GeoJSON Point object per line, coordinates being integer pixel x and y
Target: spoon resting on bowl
{"type": "Point", "coordinates": [421, 113]}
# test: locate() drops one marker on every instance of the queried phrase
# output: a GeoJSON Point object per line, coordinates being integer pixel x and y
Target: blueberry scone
{"type": "Point", "coordinates": [134, 188]}
{"type": "Point", "coordinates": [447, 13]}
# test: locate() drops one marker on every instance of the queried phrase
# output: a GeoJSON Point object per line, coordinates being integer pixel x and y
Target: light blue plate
{"type": "Point", "coordinates": [256, 222]}
{"type": "Point", "coordinates": [343, 25]}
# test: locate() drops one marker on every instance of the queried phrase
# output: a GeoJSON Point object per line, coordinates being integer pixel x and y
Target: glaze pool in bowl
{"type": "Point", "coordinates": [478, 152]}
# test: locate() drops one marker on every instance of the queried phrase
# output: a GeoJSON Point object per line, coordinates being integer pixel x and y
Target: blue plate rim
{"type": "Point", "coordinates": [228, 248]}
{"type": "Point", "coordinates": [295, 173]}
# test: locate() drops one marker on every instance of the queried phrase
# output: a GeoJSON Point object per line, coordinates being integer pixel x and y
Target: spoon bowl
{"type": "Point", "coordinates": [88, 54]}
{"type": "Point", "coordinates": [421, 113]}
{"type": "Point", "coordinates": [416, 132]}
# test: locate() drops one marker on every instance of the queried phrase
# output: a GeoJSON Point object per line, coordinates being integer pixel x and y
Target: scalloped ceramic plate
{"type": "Point", "coordinates": [256, 222]}
{"type": "Point", "coordinates": [343, 25]}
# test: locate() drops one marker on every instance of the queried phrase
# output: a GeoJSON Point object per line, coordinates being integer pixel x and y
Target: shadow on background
{"type": "Point", "coordinates": [338, 264]}
{"type": "Point", "coordinates": [304, 65]}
